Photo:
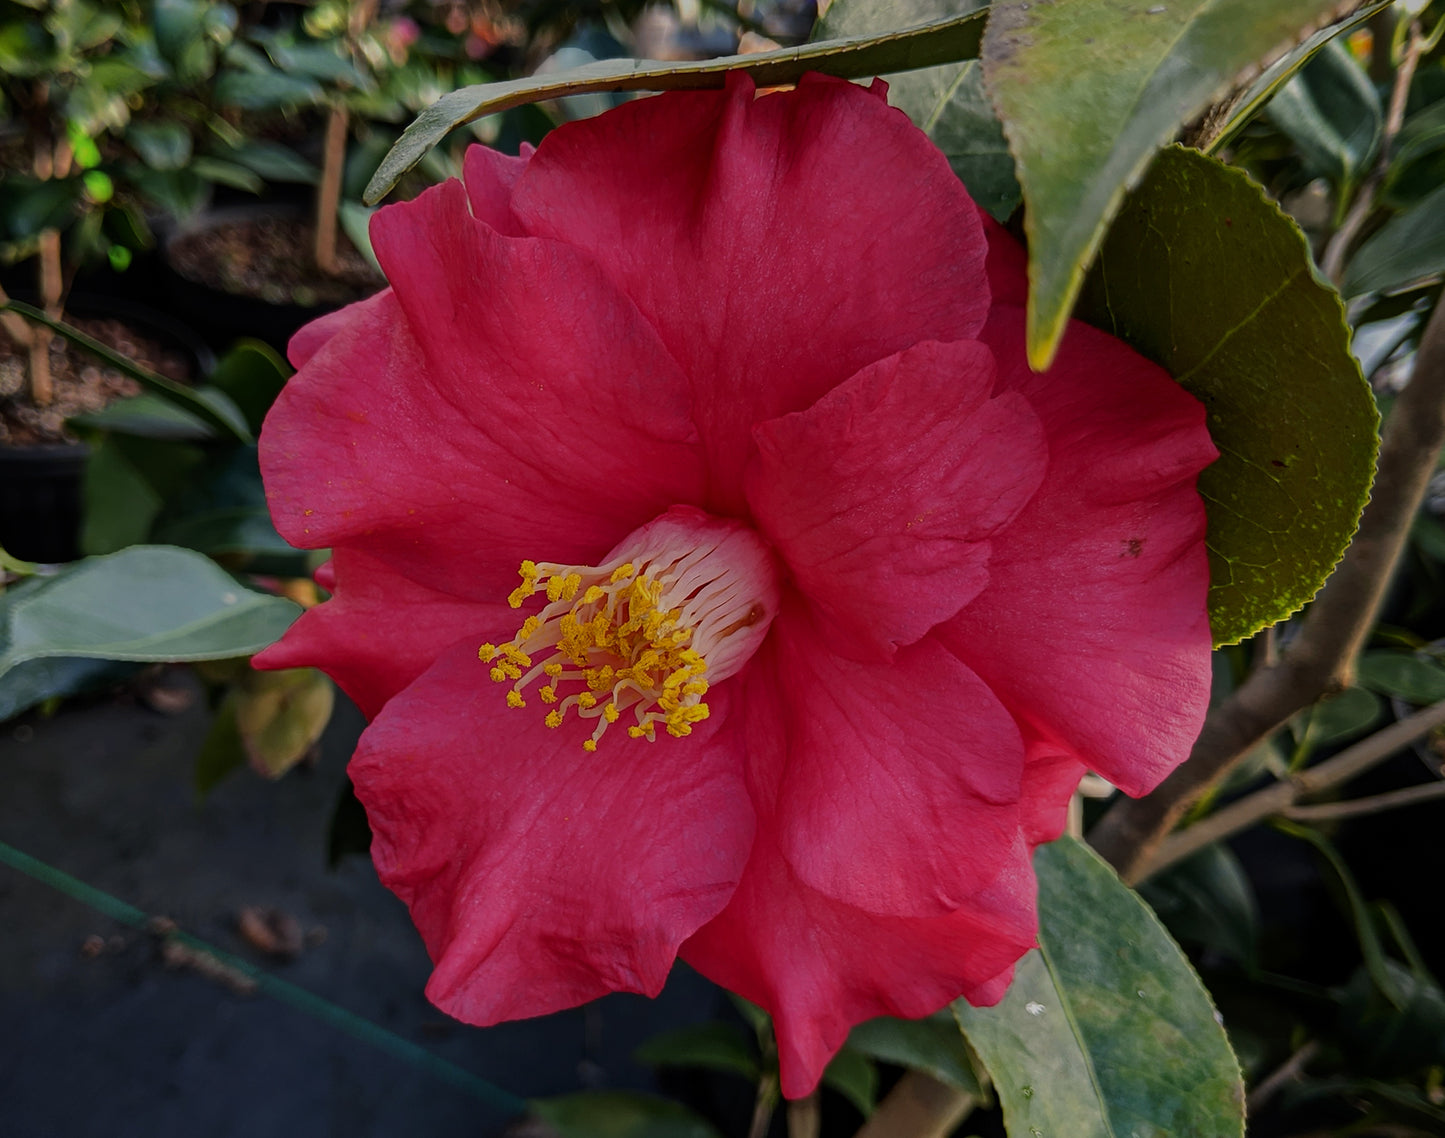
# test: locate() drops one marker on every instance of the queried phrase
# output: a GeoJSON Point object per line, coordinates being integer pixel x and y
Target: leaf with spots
{"type": "Point", "coordinates": [1106, 1031]}
{"type": "Point", "coordinates": [1205, 276]}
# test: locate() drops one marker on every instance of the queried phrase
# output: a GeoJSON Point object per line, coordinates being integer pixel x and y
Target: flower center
{"type": "Point", "coordinates": [680, 604]}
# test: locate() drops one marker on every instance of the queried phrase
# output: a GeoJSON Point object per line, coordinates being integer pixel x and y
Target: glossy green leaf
{"type": "Point", "coordinates": [1414, 679]}
{"type": "Point", "coordinates": [1332, 112]}
{"type": "Point", "coordinates": [146, 603]}
{"type": "Point", "coordinates": [1088, 92]}
{"type": "Point", "coordinates": [948, 103]}
{"type": "Point", "coordinates": [931, 1045]}
{"type": "Point", "coordinates": [939, 41]}
{"type": "Point", "coordinates": [1409, 250]}
{"type": "Point", "coordinates": [715, 1046]}
{"type": "Point", "coordinates": [619, 1114]}
{"type": "Point", "coordinates": [1205, 276]}
{"type": "Point", "coordinates": [854, 1076]}
{"type": "Point", "coordinates": [1106, 1030]}
{"type": "Point", "coordinates": [1207, 900]}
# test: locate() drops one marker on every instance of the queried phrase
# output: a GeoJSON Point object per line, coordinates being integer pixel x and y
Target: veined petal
{"type": "Point", "coordinates": [490, 178]}
{"type": "Point", "coordinates": [501, 402]}
{"type": "Point", "coordinates": [899, 793]}
{"type": "Point", "coordinates": [882, 496]}
{"type": "Point", "coordinates": [1093, 629]}
{"type": "Point", "coordinates": [770, 241]}
{"type": "Point", "coordinates": [381, 630]}
{"type": "Point", "coordinates": [541, 875]}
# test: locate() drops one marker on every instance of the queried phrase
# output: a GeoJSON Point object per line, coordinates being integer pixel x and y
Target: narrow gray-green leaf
{"type": "Point", "coordinates": [940, 41]}
{"type": "Point", "coordinates": [1106, 1031]}
{"type": "Point", "coordinates": [147, 603]}
{"type": "Point", "coordinates": [948, 103]}
{"type": "Point", "coordinates": [1088, 92]}
{"type": "Point", "coordinates": [1205, 276]}
{"type": "Point", "coordinates": [1409, 250]}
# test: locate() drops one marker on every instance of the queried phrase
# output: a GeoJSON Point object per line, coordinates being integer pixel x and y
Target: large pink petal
{"type": "Point", "coordinates": [771, 241]}
{"type": "Point", "coordinates": [381, 630]}
{"type": "Point", "coordinates": [502, 401]}
{"type": "Point", "coordinates": [901, 785]}
{"type": "Point", "coordinates": [490, 178]}
{"type": "Point", "coordinates": [539, 875]}
{"type": "Point", "coordinates": [820, 966]}
{"type": "Point", "coordinates": [882, 496]}
{"type": "Point", "coordinates": [1093, 629]}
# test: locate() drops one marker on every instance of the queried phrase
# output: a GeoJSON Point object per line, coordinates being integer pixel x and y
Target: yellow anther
{"type": "Point", "coordinates": [589, 744]}
{"type": "Point", "coordinates": [621, 572]}
{"type": "Point", "coordinates": [486, 652]}
{"type": "Point", "coordinates": [514, 699]}
{"type": "Point", "coordinates": [610, 713]}
{"type": "Point", "coordinates": [498, 674]}
{"type": "Point", "coordinates": [553, 670]}
{"type": "Point", "coordinates": [548, 694]}
{"type": "Point", "coordinates": [586, 700]}
{"type": "Point", "coordinates": [593, 595]}
{"type": "Point", "coordinates": [554, 719]}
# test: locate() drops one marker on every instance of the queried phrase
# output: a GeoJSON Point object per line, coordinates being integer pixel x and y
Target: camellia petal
{"type": "Point", "coordinates": [773, 242]}
{"type": "Point", "coordinates": [381, 630]}
{"type": "Point", "coordinates": [900, 790]}
{"type": "Point", "coordinates": [541, 875]}
{"type": "Point", "coordinates": [1093, 629]}
{"type": "Point", "coordinates": [881, 497]}
{"type": "Point", "coordinates": [490, 178]}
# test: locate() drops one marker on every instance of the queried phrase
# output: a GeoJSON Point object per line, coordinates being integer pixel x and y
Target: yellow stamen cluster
{"type": "Point", "coordinates": [606, 634]}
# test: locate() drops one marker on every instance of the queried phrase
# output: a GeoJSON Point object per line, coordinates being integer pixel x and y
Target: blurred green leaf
{"type": "Point", "coordinates": [1338, 719]}
{"type": "Point", "coordinates": [127, 480]}
{"type": "Point", "coordinates": [266, 91]}
{"type": "Point", "coordinates": [854, 1076]}
{"type": "Point", "coordinates": [1414, 679]}
{"type": "Point", "coordinates": [252, 374]}
{"type": "Point", "coordinates": [1205, 276]}
{"type": "Point", "coordinates": [927, 45]}
{"type": "Point", "coordinates": [714, 1046]}
{"type": "Point", "coordinates": [1207, 900]}
{"type": "Point", "coordinates": [1106, 1029]}
{"type": "Point", "coordinates": [948, 103]}
{"type": "Point", "coordinates": [1407, 251]}
{"type": "Point", "coordinates": [932, 1045]}
{"type": "Point", "coordinates": [161, 145]}
{"type": "Point", "coordinates": [619, 1114]}
{"type": "Point", "coordinates": [280, 715]}
{"type": "Point", "coordinates": [146, 603]}
{"type": "Point", "coordinates": [35, 681]}
{"type": "Point", "coordinates": [231, 174]}
{"type": "Point", "coordinates": [146, 415]}
{"type": "Point", "coordinates": [1082, 134]}
{"type": "Point", "coordinates": [271, 161]}
{"type": "Point", "coordinates": [1332, 112]}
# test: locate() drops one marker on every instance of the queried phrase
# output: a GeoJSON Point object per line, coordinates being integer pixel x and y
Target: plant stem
{"type": "Point", "coordinates": [328, 193]}
{"type": "Point", "coordinates": [763, 1105]}
{"type": "Point", "coordinates": [918, 1107]}
{"type": "Point", "coordinates": [804, 1117]}
{"type": "Point", "coordinates": [1375, 804]}
{"type": "Point", "coordinates": [1289, 1071]}
{"type": "Point", "coordinates": [1321, 658]}
{"type": "Point", "coordinates": [1279, 798]}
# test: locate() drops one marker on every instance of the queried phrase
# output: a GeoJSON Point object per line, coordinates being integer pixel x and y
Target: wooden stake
{"type": "Point", "coordinates": [328, 194]}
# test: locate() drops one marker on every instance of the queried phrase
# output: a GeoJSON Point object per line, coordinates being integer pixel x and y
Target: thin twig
{"type": "Point", "coordinates": [1287, 1072]}
{"type": "Point", "coordinates": [1332, 263]}
{"type": "Point", "coordinates": [14, 324]}
{"type": "Point", "coordinates": [1374, 804]}
{"type": "Point", "coordinates": [1281, 797]}
{"type": "Point", "coordinates": [1321, 658]}
{"type": "Point", "coordinates": [919, 1106]}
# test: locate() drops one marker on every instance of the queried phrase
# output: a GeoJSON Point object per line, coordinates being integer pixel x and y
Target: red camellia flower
{"type": "Point", "coordinates": [826, 600]}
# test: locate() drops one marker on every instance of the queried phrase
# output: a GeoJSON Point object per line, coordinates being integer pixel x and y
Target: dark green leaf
{"type": "Point", "coordinates": [179, 193]}
{"type": "Point", "coordinates": [927, 45]}
{"type": "Point", "coordinates": [1413, 678]}
{"type": "Point", "coordinates": [272, 161]}
{"type": "Point", "coordinates": [221, 751]}
{"type": "Point", "coordinates": [1407, 251]}
{"type": "Point", "coordinates": [1332, 112]}
{"type": "Point", "coordinates": [146, 603]}
{"type": "Point", "coordinates": [854, 1076]}
{"type": "Point", "coordinates": [619, 1114]}
{"type": "Point", "coordinates": [948, 102]}
{"type": "Point", "coordinates": [161, 145]}
{"type": "Point", "coordinates": [239, 530]}
{"type": "Point", "coordinates": [1207, 900]}
{"type": "Point", "coordinates": [1205, 276]}
{"type": "Point", "coordinates": [715, 1046]}
{"type": "Point", "coordinates": [148, 416]}
{"type": "Point", "coordinates": [1106, 1030]}
{"type": "Point", "coordinates": [252, 375]}
{"type": "Point", "coordinates": [265, 91]}
{"type": "Point", "coordinates": [932, 1045]}
{"type": "Point", "coordinates": [35, 681]}
{"type": "Point", "coordinates": [231, 174]}
{"type": "Point", "coordinates": [1339, 718]}
{"type": "Point", "coordinates": [127, 479]}
{"type": "Point", "coordinates": [1089, 92]}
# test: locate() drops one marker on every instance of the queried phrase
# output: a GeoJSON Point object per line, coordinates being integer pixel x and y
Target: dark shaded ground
{"type": "Point", "coordinates": [119, 1045]}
